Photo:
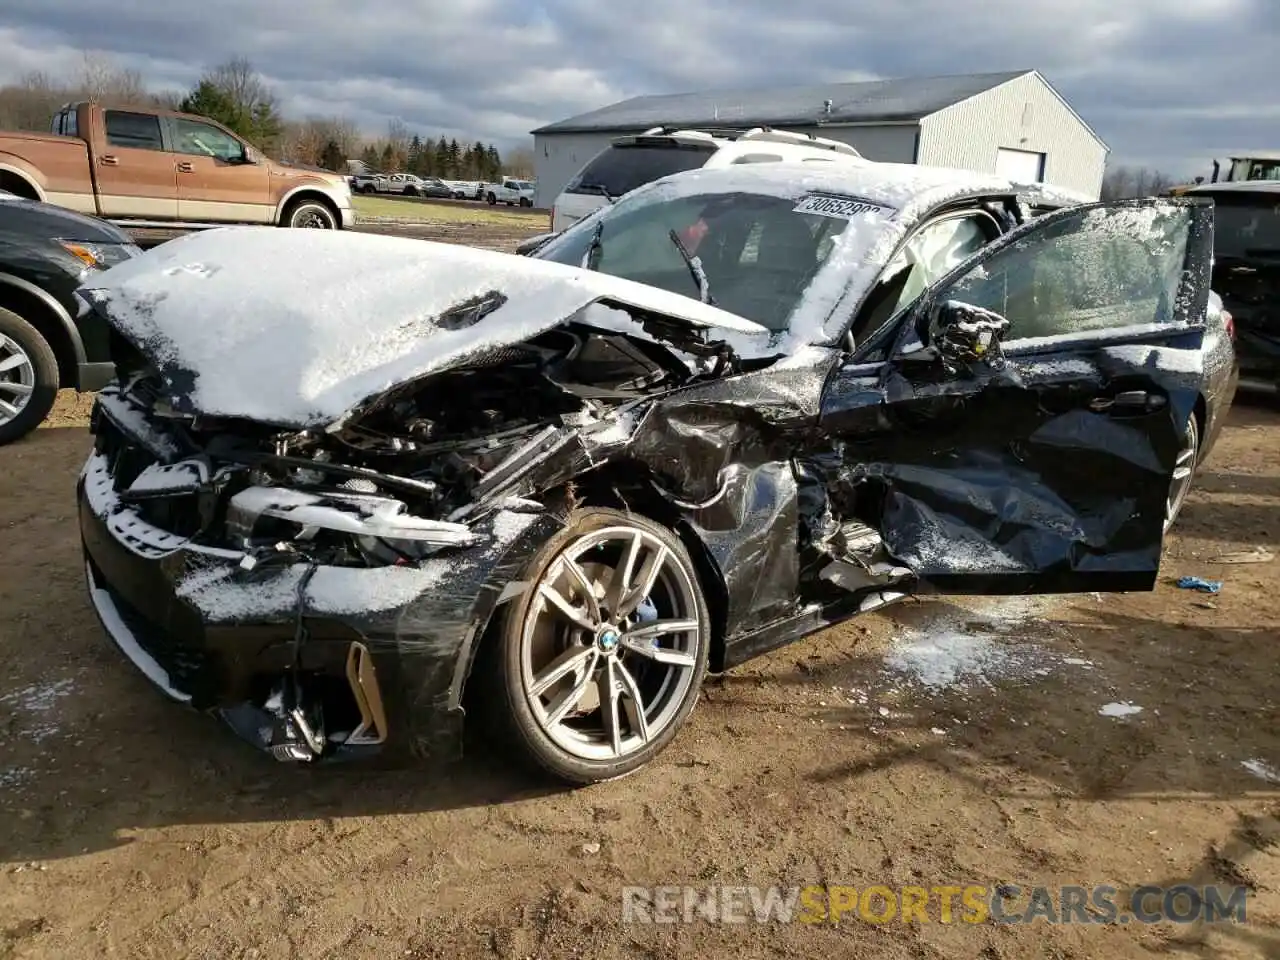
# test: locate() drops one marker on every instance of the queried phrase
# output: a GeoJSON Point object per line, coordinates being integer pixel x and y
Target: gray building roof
{"type": "Point", "coordinates": [869, 101]}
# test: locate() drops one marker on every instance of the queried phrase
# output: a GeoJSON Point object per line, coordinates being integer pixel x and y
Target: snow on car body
{"type": "Point", "coordinates": [732, 408]}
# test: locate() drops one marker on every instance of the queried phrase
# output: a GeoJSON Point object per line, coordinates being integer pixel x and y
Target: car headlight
{"type": "Point", "coordinates": [100, 256]}
{"type": "Point", "coordinates": [379, 529]}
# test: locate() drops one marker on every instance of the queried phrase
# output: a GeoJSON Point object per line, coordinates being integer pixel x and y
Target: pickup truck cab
{"type": "Point", "coordinates": [139, 166]}
{"type": "Point", "coordinates": [510, 191]}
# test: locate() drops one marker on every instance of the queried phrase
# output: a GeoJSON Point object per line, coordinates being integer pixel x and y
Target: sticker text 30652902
{"type": "Point", "coordinates": [842, 208]}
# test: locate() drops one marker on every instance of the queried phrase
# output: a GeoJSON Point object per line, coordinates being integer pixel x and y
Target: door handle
{"type": "Point", "coordinates": [1127, 400]}
{"type": "Point", "coordinates": [109, 161]}
{"type": "Point", "coordinates": [185, 167]}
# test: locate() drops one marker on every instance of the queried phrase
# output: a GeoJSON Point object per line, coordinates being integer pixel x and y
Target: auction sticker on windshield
{"type": "Point", "coordinates": [841, 208]}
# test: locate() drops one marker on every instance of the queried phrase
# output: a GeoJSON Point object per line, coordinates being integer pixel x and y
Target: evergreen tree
{"type": "Point", "coordinates": [443, 167]}
{"type": "Point", "coordinates": [331, 157]}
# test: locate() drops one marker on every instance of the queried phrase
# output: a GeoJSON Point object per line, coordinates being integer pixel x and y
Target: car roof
{"type": "Point", "coordinates": [1237, 186]}
{"type": "Point", "coordinates": [893, 185]}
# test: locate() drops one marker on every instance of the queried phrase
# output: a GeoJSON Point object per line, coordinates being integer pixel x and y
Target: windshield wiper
{"type": "Point", "coordinates": [599, 188]}
{"type": "Point", "coordinates": [695, 269]}
{"type": "Point", "coordinates": [592, 257]}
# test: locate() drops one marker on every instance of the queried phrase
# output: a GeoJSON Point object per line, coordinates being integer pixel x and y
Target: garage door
{"type": "Point", "coordinates": [1020, 166]}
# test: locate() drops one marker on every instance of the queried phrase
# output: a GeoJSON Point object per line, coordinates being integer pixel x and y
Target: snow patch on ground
{"type": "Point", "coordinates": [1119, 710]}
{"type": "Point", "coordinates": [967, 646]}
{"type": "Point", "coordinates": [1261, 770]}
{"type": "Point", "coordinates": [13, 777]}
{"type": "Point", "coordinates": [34, 708]}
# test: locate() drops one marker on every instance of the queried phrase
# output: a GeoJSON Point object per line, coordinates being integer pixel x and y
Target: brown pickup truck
{"type": "Point", "coordinates": [144, 167]}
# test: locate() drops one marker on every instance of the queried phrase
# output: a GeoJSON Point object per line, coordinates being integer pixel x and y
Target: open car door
{"type": "Point", "coordinates": [1017, 429]}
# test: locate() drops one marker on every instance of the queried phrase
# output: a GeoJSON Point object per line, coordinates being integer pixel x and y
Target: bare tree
{"type": "Point", "coordinates": [398, 140]}
{"type": "Point", "coordinates": [167, 99]}
{"type": "Point", "coordinates": [1123, 182]}
{"type": "Point", "coordinates": [305, 142]}
{"type": "Point", "coordinates": [242, 84]}
{"type": "Point", "coordinates": [101, 80]}
{"type": "Point", "coordinates": [31, 103]}
{"type": "Point", "coordinates": [234, 94]}
{"type": "Point", "coordinates": [520, 163]}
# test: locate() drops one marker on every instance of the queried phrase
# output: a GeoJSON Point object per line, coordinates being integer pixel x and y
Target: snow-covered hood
{"type": "Point", "coordinates": [298, 327]}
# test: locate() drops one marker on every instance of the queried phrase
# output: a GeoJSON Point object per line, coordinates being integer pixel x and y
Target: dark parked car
{"type": "Point", "coordinates": [350, 486]}
{"type": "Point", "coordinates": [45, 253]}
{"type": "Point", "coordinates": [1246, 272]}
{"type": "Point", "coordinates": [435, 187]}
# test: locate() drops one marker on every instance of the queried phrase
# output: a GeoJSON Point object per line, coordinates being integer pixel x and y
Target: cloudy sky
{"type": "Point", "coordinates": [1167, 85]}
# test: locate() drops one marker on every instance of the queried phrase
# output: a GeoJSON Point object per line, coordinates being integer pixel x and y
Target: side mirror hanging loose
{"type": "Point", "coordinates": [962, 334]}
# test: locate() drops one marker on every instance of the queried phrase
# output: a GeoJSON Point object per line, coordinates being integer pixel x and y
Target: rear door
{"type": "Point", "coordinates": [1044, 466]}
{"type": "Point", "coordinates": [217, 180]}
{"type": "Point", "coordinates": [134, 172]}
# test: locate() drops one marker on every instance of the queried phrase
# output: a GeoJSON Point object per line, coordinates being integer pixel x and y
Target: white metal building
{"type": "Point", "coordinates": [1014, 124]}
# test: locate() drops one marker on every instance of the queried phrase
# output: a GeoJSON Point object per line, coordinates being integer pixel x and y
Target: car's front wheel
{"type": "Point", "coordinates": [1183, 471]}
{"type": "Point", "coordinates": [311, 214]}
{"type": "Point", "coordinates": [28, 377]}
{"type": "Point", "coordinates": [599, 664]}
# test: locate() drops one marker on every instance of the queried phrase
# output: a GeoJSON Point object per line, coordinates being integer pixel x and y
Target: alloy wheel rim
{"type": "Point", "coordinates": [312, 219]}
{"type": "Point", "coordinates": [610, 644]}
{"type": "Point", "coordinates": [17, 379]}
{"type": "Point", "coordinates": [1183, 469]}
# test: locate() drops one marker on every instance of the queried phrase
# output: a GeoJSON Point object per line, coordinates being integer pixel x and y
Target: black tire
{"type": "Point", "coordinates": [410, 191]}
{"type": "Point", "coordinates": [44, 367]}
{"type": "Point", "coordinates": [491, 198]}
{"type": "Point", "coordinates": [1190, 457]}
{"type": "Point", "coordinates": [511, 717]}
{"type": "Point", "coordinates": [309, 214]}
{"type": "Point", "coordinates": [526, 202]}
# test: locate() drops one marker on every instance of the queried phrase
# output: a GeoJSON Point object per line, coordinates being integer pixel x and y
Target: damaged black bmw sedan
{"type": "Point", "coordinates": [348, 489]}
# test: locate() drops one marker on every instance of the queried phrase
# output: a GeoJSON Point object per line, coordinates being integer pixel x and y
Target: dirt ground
{"type": "Point", "coordinates": [938, 743]}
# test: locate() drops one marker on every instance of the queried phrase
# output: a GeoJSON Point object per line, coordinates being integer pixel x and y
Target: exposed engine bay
{"type": "Point", "coordinates": [393, 482]}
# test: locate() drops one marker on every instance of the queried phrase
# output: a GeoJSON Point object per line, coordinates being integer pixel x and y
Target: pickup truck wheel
{"type": "Point", "coordinates": [491, 198]}
{"type": "Point", "coordinates": [28, 377]}
{"type": "Point", "coordinates": [526, 202]}
{"type": "Point", "coordinates": [410, 191]}
{"type": "Point", "coordinates": [310, 214]}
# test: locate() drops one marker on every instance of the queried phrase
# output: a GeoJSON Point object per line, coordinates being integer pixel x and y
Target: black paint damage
{"type": "Point", "coordinates": [807, 490]}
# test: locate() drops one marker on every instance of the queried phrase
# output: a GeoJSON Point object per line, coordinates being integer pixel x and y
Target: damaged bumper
{"type": "Point", "coordinates": [305, 660]}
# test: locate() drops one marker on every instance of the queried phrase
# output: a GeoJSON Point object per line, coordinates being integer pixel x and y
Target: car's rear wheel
{"type": "Point", "coordinates": [28, 377]}
{"type": "Point", "coordinates": [1183, 471]}
{"type": "Point", "coordinates": [492, 199]}
{"type": "Point", "coordinates": [600, 663]}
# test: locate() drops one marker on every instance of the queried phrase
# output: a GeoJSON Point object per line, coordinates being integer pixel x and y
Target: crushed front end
{"type": "Point", "coordinates": [317, 618]}
{"type": "Point", "coordinates": [324, 590]}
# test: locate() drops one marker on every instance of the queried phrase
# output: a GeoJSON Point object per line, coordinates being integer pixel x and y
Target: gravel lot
{"type": "Point", "coordinates": [939, 743]}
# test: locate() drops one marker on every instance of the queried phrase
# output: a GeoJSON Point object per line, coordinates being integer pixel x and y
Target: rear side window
{"type": "Point", "coordinates": [1246, 226]}
{"type": "Point", "coordinates": [622, 168]}
{"type": "Point", "coordinates": [140, 131]}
